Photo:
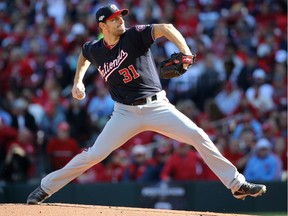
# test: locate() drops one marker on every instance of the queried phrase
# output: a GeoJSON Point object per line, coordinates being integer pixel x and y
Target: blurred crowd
{"type": "Point", "coordinates": [236, 91]}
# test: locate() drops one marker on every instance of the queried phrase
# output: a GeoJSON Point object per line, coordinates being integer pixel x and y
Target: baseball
{"type": "Point", "coordinates": [81, 95]}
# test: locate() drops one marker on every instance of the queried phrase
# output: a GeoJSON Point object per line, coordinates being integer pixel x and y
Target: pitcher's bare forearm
{"type": "Point", "coordinates": [172, 34]}
{"type": "Point", "coordinates": [82, 66]}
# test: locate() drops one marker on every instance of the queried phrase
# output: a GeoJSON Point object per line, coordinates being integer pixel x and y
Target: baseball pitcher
{"type": "Point", "coordinates": [125, 62]}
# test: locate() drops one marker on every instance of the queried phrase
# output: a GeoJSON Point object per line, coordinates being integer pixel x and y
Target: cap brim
{"type": "Point", "coordinates": [123, 12]}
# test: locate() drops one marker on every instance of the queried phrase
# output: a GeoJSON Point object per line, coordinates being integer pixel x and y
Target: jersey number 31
{"type": "Point", "coordinates": [129, 74]}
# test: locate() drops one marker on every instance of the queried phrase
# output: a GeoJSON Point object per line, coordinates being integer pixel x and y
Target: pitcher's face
{"type": "Point", "coordinates": [115, 26]}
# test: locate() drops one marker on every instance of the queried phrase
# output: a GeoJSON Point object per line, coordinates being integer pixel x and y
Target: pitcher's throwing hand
{"type": "Point", "coordinates": [78, 91]}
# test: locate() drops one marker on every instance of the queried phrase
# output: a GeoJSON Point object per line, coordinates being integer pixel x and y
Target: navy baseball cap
{"type": "Point", "coordinates": [109, 12]}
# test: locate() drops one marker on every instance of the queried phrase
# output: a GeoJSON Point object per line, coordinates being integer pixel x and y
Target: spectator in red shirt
{"type": "Point", "coordinates": [234, 154]}
{"type": "Point", "coordinates": [17, 73]}
{"type": "Point", "coordinates": [62, 148]}
{"type": "Point", "coordinates": [260, 94]}
{"type": "Point", "coordinates": [183, 165]}
{"type": "Point", "coordinates": [115, 166]}
{"type": "Point", "coordinates": [19, 164]}
{"type": "Point", "coordinates": [24, 140]}
{"type": "Point", "coordinates": [24, 145]}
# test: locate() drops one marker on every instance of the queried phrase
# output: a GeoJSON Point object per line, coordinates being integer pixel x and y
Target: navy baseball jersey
{"type": "Point", "coordinates": [128, 68]}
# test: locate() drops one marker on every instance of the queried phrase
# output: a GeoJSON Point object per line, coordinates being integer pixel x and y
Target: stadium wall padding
{"type": "Point", "coordinates": [192, 196]}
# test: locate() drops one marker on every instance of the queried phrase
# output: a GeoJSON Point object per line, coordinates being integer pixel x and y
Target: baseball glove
{"type": "Point", "coordinates": [173, 67]}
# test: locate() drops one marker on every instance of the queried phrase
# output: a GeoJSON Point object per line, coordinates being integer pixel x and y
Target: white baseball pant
{"type": "Point", "coordinates": [126, 121]}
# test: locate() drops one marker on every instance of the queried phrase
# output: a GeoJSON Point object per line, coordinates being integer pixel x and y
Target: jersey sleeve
{"type": "Point", "coordinates": [142, 36]}
{"type": "Point", "coordinates": [86, 50]}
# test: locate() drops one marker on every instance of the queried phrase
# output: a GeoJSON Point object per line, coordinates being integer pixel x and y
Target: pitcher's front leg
{"type": "Point", "coordinates": [117, 131]}
{"type": "Point", "coordinates": [169, 121]}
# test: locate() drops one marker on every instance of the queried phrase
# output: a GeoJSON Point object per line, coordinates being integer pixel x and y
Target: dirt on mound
{"type": "Point", "coordinates": [52, 209]}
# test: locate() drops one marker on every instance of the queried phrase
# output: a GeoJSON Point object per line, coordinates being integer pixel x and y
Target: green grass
{"type": "Point", "coordinates": [271, 214]}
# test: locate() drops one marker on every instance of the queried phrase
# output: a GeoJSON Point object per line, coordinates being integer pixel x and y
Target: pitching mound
{"type": "Point", "coordinates": [58, 209]}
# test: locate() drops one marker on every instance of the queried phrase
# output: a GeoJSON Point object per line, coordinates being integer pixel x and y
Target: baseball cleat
{"type": "Point", "coordinates": [250, 189]}
{"type": "Point", "coordinates": [37, 196]}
